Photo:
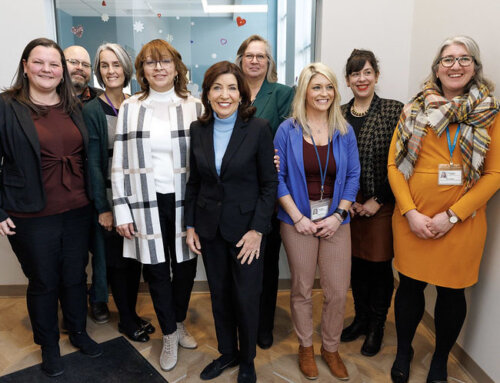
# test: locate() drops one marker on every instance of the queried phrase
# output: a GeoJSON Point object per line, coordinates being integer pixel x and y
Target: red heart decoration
{"type": "Point", "coordinates": [240, 21]}
{"type": "Point", "coordinates": [159, 15]}
{"type": "Point", "coordinates": [103, 3]}
{"type": "Point", "coordinates": [77, 31]}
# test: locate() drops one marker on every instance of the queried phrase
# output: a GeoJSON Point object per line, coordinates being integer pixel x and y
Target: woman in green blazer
{"type": "Point", "coordinates": [273, 102]}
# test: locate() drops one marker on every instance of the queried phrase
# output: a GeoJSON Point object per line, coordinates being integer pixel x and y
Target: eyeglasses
{"type": "Point", "coordinates": [78, 63]}
{"type": "Point", "coordinates": [250, 57]}
{"type": "Point", "coordinates": [449, 61]}
{"type": "Point", "coordinates": [151, 64]}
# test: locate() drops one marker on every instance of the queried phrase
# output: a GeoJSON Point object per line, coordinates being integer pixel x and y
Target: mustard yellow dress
{"type": "Point", "coordinates": [452, 260]}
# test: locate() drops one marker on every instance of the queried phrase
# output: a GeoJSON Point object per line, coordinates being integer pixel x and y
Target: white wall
{"type": "Point", "coordinates": [405, 35]}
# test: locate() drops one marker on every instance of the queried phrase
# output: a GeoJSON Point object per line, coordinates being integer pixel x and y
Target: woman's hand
{"type": "Point", "coordinates": [368, 209]}
{"type": "Point", "coordinates": [250, 246]}
{"type": "Point", "coordinates": [327, 227]}
{"type": "Point", "coordinates": [418, 224]}
{"type": "Point", "coordinates": [440, 225]}
{"type": "Point", "coordinates": [106, 220]}
{"type": "Point", "coordinates": [305, 226]}
{"type": "Point", "coordinates": [193, 241]}
{"type": "Point", "coordinates": [126, 230]}
{"type": "Point", "coordinates": [277, 160]}
{"type": "Point", "coordinates": [6, 227]}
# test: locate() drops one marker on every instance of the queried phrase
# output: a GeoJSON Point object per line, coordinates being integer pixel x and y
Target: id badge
{"type": "Point", "coordinates": [450, 174]}
{"type": "Point", "coordinates": [319, 209]}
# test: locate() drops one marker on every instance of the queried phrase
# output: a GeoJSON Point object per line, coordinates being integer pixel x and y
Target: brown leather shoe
{"type": "Point", "coordinates": [337, 367]}
{"type": "Point", "coordinates": [307, 364]}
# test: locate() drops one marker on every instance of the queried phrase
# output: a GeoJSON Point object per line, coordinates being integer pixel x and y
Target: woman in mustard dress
{"type": "Point", "coordinates": [444, 165]}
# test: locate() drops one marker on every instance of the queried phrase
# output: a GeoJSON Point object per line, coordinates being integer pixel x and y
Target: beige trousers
{"type": "Point", "coordinates": [333, 256]}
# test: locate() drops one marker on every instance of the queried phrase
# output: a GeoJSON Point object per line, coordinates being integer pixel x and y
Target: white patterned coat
{"type": "Point", "coordinates": [132, 177]}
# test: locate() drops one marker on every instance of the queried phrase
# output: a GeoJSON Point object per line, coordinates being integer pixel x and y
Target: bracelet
{"type": "Point", "coordinates": [300, 219]}
{"type": "Point", "coordinates": [337, 215]}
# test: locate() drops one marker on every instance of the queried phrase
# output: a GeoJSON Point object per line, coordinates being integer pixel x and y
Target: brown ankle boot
{"type": "Point", "coordinates": [335, 363]}
{"type": "Point", "coordinates": [307, 364]}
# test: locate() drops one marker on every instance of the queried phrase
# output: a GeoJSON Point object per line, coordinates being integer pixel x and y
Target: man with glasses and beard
{"type": "Point", "coordinates": [79, 67]}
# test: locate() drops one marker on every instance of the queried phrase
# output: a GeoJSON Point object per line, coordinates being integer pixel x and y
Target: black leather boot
{"type": "Point", "coordinates": [360, 293]}
{"type": "Point", "coordinates": [380, 301]}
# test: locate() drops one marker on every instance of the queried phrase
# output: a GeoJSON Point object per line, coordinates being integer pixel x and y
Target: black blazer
{"type": "Point", "coordinates": [21, 184]}
{"type": "Point", "coordinates": [242, 197]}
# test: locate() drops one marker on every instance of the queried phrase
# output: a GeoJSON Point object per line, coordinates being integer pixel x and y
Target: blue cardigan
{"type": "Point", "coordinates": [292, 178]}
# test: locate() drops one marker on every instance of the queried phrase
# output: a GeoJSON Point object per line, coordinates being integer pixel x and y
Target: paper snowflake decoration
{"type": "Point", "coordinates": [160, 31]}
{"type": "Point", "coordinates": [105, 17]}
{"type": "Point", "coordinates": [169, 38]}
{"type": "Point", "coordinates": [138, 26]}
{"type": "Point", "coordinates": [214, 55]}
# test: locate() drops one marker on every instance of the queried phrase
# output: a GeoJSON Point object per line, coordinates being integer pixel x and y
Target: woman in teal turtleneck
{"type": "Point", "coordinates": [273, 102]}
{"type": "Point", "coordinates": [228, 206]}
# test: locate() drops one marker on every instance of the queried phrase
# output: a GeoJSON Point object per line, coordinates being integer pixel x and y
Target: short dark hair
{"type": "Point", "coordinates": [156, 49]}
{"type": "Point", "coordinates": [21, 86]}
{"type": "Point", "coordinates": [245, 109]}
{"type": "Point", "coordinates": [358, 59]}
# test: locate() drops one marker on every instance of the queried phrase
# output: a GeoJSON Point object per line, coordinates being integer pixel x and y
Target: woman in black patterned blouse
{"type": "Point", "coordinates": [373, 120]}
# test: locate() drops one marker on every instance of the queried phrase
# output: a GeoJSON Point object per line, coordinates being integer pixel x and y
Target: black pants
{"type": "Point", "coordinates": [170, 295]}
{"type": "Point", "coordinates": [53, 252]}
{"type": "Point", "coordinates": [123, 275]}
{"type": "Point", "coordinates": [235, 293]}
{"type": "Point", "coordinates": [269, 294]}
{"type": "Point", "coordinates": [449, 316]}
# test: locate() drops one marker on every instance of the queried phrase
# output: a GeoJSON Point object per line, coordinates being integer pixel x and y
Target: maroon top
{"type": "Point", "coordinates": [61, 149]}
{"type": "Point", "coordinates": [313, 175]}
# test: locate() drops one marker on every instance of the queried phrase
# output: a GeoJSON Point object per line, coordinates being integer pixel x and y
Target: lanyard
{"type": "Point", "coordinates": [451, 147]}
{"type": "Point", "coordinates": [111, 104]}
{"type": "Point", "coordinates": [323, 175]}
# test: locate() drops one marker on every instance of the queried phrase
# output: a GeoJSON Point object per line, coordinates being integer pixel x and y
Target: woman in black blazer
{"type": "Point", "coordinates": [44, 207]}
{"type": "Point", "coordinates": [229, 202]}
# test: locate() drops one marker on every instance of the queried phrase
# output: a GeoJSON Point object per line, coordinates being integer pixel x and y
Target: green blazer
{"type": "Point", "coordinates": [273, 103]}
{"type": "Point", "coordinates": [97, 125]}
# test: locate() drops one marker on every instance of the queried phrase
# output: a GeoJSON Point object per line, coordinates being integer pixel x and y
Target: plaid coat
{"type": "Point", "coordinates": [132, 177]}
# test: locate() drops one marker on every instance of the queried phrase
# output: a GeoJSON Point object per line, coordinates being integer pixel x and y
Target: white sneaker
{"type": "Point", "coordinates": [168, 357]}
{"type": "Point", "coordinates": [186, 340]}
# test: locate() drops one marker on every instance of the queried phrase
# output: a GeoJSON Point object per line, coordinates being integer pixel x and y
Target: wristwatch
{"type": "Point", "coordinates": [452, 218]}
{"type": "Point", "coordinates": [342, 212]}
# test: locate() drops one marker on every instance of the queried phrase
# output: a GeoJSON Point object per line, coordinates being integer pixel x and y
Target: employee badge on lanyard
{"type": "Point", "coordinates": [320, 208]}
{"type": "Point", "coordinates": [450, 174]}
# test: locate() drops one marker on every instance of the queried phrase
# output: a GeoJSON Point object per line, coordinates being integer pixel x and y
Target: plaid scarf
{"type": "Point", "coordinates": [473, 111]}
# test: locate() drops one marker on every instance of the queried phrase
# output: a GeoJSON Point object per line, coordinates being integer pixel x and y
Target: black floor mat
{"type": "Point", "coordinates": [120, 363]}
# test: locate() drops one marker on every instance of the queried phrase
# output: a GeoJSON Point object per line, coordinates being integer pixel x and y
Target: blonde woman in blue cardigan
{"type": "Point", "coordinates": [318, 181]}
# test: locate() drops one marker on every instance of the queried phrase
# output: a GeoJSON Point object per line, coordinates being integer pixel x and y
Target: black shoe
{"type": "Point", "coordinates": [246, 374]}
{"type": "Point", "coordinates": [86, 345]}
{"type": "Point", "coordinates": [373, 340]}
{"type": "Point", "coordinates": [99, 312]}
{"type": "Point", "coordinates": [399, 376]}
{"type": "Point", "coordinates": [146, 326]}
{"type": "Point", "coordinates": [214, 369]}
{"type": "Point", "coordinates": [139, 335]}
{"type": "Point", "coordinates": [265, 340]}
{"type": "Point", "coordinates": [357, 328]}
{"type": "Point", "coordinates": [52, 364]}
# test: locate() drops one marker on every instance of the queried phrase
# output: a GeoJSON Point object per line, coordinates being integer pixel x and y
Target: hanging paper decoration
{"type": "Point", "coordinates": [160, 31]}
{"type": "Point", "coordinates": [103, 3]}
{"type": "Point", "coordinates": [138, 26]}
{"type": "Point", "coordinates": [223, 41]}
{"type": "Point", "coordinates": [191, 41]}
{"type": "Point", "coordinates": [213, 55]}
{"type": "Point", "coordinates": [192, 23]}
{"type": "Point", "coordinates": [240, 21]}
{"type": "Point", "coordinates": [77, 31]}
{"type": "Point", "coordinates": [159, 15]}
{"type": "Point", "coordinates": [105, 17]}
{"type": "Point", "coordinates": [169, 38]}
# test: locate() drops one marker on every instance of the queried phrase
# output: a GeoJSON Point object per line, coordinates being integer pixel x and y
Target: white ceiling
{"type": "Point", "coordinates": [167, 8]}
